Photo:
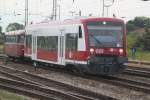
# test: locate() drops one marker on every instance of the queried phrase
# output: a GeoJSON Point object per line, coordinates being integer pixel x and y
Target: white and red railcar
{"type": "Point", "coordinates": [93, 45]}
{"type": "Point", "coordinates": [14, 43]}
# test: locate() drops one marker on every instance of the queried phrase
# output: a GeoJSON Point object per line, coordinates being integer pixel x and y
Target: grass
{"type": "Point", "coordinates": [140, 55]}
{"type": "Point", "coordinates": [1, 49]}
{"type": "Point", "coordinates": [4, 95]}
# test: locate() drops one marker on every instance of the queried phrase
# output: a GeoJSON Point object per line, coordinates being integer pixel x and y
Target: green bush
{"type": "Point", "coordinates": [143, 41]}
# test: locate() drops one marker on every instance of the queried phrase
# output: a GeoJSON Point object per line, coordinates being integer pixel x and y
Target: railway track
{"type": "Point", "coordinates": [34, 90]}
{"type": "Point", "coordinates": [132, 84]}
{"type": "Point", "coordinates": [135, 72]}
{"type": "Point", "coordinates": [123, 82]}
{"type": "Point", "coordinates": [139, 62]}
{"type": "Point", "coordinates": [44, 87]}
{"type": "Point", "coordinates": [85, 95]}
{"type": "Point", "coordinates": [139, 81]}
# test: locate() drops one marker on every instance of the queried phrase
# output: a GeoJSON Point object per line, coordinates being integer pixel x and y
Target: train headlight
{"type": "Point", "coordinates": [91, 50]}
{"type": "Point", "coordinates": [104, 23]}
{"type": "Point", "coordinates": [121, 51]}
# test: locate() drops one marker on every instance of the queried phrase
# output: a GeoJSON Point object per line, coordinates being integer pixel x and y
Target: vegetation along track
{"type": "Point", "coordinates": [39, 84]}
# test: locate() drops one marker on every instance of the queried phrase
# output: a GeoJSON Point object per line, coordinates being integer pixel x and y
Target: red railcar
{"type": "Point", "coordinates": [93, 45]}
{"type": "Point", "coordinates": [14, 43]}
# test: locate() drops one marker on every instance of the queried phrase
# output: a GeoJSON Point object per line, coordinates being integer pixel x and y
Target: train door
{"type": "Point", "coordinates": [61, 49]}
{"type": "Point", "coordinates": [71, 45]}
{"type": "Point", "coordinates": [34, 46]}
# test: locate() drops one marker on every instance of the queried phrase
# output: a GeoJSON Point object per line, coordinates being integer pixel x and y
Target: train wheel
{"type": "Point", "coordinates": [77, 70]}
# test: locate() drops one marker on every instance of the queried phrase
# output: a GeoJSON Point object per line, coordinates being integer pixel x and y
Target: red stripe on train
{"type": "Point", "coordinates": [47, 55]}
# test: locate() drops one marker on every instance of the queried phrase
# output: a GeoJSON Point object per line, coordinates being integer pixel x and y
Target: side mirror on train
{"type": "Point", "coordinates": [80, 32]}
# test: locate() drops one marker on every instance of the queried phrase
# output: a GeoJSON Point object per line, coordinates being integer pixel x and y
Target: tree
{"type": "Point", "coordinates": [144, 41]}
{"type": "Point", "coordinates": [138, 22]}
{"type": "Point", "coordinates": [1, 33]}
{"type": "Point", "coordinates": [131, 27]}
{"type": "Point", "coordinates": [137, 36]}
{"type": "Point", "coordinates": [1, 36]}
{"type": "Point", "coordinates": [0, 29]}
{"type": "Point", "coordinates": [14, 26]}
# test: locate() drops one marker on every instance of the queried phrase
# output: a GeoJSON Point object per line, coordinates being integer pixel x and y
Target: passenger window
{"type": "Point", "coordinates": [71, 41]}
{"type": "Point", "coordinates": [28, 40]}
{"type": "Point", "coordinates": [20, 38]}
{"type": "Point", "coordinates": [48, 43]}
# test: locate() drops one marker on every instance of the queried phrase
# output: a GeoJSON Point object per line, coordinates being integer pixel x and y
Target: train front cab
{"type": "Point", "coordinates": [106, 46]}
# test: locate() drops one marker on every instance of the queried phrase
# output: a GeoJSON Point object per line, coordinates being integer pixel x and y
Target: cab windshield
{"type": "Point", "coordinates": [105, 36]}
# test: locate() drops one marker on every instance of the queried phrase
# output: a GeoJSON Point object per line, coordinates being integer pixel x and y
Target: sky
{"type": "Point", "coordinates": [13, 10]}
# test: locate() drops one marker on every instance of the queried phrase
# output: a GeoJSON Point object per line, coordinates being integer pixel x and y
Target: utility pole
{"type": "Point", "coordinates": [26, 12]}
{"type": "Point", "coordinates": [54, 10]}
{"type": "Point", "coordinates": [107, 11]}
{"type": "Point", "coordinates": [80, 13]}
{"type": "Point", "coordinates": [52, 16]}
{"type": "Point", "coordinates": [59, 10]}
{"type": "Point", "coordinates": [103, 9]}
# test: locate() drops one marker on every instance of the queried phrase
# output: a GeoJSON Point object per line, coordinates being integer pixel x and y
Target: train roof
{"type": "Point", "coordinates": [82, 20]}
{"type": "Point", "coordinates": [72, 21]}
{"type": "Point", "coordinates": [17, 32]}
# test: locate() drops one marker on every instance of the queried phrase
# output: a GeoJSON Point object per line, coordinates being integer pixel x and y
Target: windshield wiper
{"type": "Point", "coordinates": [98, 41]}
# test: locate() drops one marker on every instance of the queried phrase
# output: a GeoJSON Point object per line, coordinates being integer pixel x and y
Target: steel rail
{"type": "Point", "coordinates": [136, 72]}
{"type": "Point", "coordinates": [14, 77]}
{"type": "Point", "coordinates": [121, 81]}
{"type": "Point", "coordinates": [136, 85]}
{"type": "Point", "coordinates": [124, 82]}
{"type": "Point", "coordinates": [75, 91]}
{"type": "Point", "coordinates": [34, 90]}
{"type": "Point", "coordinates": [139, 62]}
{"type": "Point", "coordinates": [138, 68]}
